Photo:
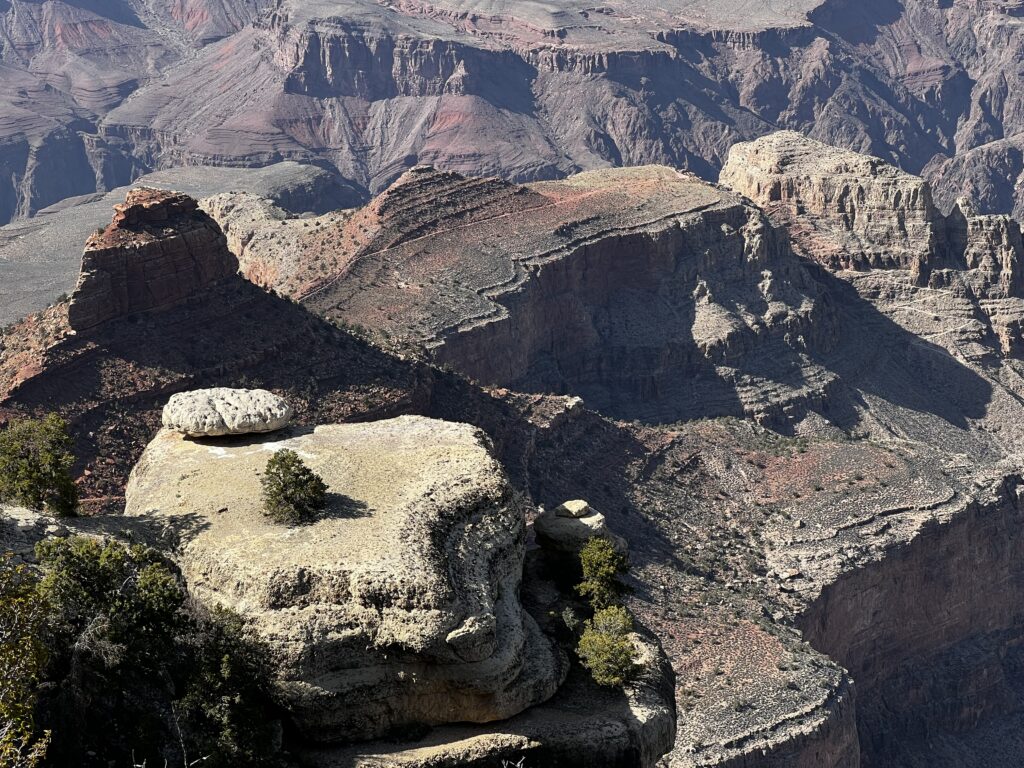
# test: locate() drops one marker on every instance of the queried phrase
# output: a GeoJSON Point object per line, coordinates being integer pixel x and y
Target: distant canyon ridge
{"type": "Point", "coordinates": [95, 93]}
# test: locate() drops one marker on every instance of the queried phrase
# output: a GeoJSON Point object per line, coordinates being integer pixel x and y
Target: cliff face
{"type": "Point", "coordinates": [159, 251]}
{"type": "Point", "coordinates": [850, 212]}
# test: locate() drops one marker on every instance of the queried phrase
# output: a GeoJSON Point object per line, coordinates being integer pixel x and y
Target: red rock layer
{"type": "Point", "coordinates": [158, 251]}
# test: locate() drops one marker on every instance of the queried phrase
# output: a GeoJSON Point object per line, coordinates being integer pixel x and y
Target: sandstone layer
{"type": "Point", "coordinates": [399, 606]}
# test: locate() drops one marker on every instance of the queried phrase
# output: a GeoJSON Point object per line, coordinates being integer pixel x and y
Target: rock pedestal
{"type": "Point", "coordinates": [399, 607]}
{"type": "Point", "coordinates": [158, 251]}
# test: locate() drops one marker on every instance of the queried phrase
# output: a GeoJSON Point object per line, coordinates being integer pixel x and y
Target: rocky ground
{"type": "Point", "coordinates": [809, 446]}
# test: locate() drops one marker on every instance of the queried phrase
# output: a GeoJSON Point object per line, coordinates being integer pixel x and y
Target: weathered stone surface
{"type": "Point", "coordinates": [852, 212]}
{"type": "Point", "coordinates": [865, 212]}
{"type": "Point", "coordinates": [573, 508]}
{"type": "Point", "coordinates": [568, 527]}
{"type": "Point", "coordinates": [582, 726]}
{"type": "Point", "coordinates": [223, 411]}
{"type": "Point", "coordinates": [399, 606]}
{"type": "Point", "coordinates": [159, 251]}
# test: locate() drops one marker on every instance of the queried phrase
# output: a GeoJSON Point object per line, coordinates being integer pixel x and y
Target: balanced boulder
{"type": "Point", "coordinates": [221, 411]}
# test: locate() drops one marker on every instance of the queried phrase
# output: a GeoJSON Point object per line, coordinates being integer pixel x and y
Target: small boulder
{"type": "Point", "coordinates": [576, 508]}
{"type": "Point", "coordinates": [221, 411]}
{"type": "Point", "coordinates": [569, 526]}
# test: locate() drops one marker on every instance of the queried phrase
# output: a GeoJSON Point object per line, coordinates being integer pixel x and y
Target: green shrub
{"type": "Point", "coordinates": [125, 596]}
{"type": "Point", "coordinates": [292, 492]}
{"type": "Point", "coordinates": [226, 704]}
{"type": "Point", "coordinates": [22, 655]}
{"type": "Point", "coordinates": [141, 674]}
{"type": "Point", "coordinates": [602, 568]}
{"type": "Point", "coordinates": [35, 465]}
{"type": "Point", "coordinates": [605, 647]}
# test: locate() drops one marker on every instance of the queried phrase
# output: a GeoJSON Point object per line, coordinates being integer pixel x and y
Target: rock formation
{"type": "Point", "coordinates": [815, 586]}
{"type": "Point", "coordinates": [158, 251]}
{"type": "Point", "coordinates": [398, 607]}
{"type": "Point", "coordinates": [847, 211]}
{"type": "Point", "coordinates": [569, 526]}
{"type": "Point", "coordinates": [222, 411]}
{"type": "Point", "coordinates": [870, 214]}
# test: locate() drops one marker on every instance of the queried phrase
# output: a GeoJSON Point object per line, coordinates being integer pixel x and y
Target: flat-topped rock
{"type": "Point", "coordinates": [399, 607]}
{"type": "Point", "coordinates": [223, 411]}
{"type": "Point", "coordinates": [859, 211]}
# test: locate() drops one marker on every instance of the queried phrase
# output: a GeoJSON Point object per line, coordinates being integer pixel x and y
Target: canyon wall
{"type": "Point", "coordinates": [95, 96]}
{"type": "Point", "coordinates": [931, 631]}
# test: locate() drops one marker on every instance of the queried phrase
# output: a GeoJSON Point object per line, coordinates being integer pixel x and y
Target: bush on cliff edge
{"type": "Point", "coordinates": [606, 649]}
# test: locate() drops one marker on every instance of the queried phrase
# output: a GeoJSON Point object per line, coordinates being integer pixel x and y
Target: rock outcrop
{"type": "Point", "coordinates": [399, 607]}
{"type": "Point", "coordinates": [629, 287]}
{"type": "Point", "coordinates": [860, 212]}
{"type": "Point", "coordinates": [159, 251]}
{"type": "Point", "coordinates": [851, 212]}
{"type": "Point", "coordinates": [222, 411]}
{"type": "Point", "coordinates": [569, 526]}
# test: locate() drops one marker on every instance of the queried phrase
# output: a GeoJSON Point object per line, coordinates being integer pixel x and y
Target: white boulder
{"type": "Point", "coordinates": [222, 411]}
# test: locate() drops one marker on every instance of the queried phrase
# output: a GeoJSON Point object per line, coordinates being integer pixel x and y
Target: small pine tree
{"type": "Point", "coordinates": [292, 492]}
{"type": "Point", "coordinates": [35, 465]}
{"type": "Point", "coordinates": [602, 568]}
{"type": "Point", "coordinates": [605, 647]}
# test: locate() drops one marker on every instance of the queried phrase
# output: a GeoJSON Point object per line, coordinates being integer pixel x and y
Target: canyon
{"type": "Point", "coordinates": [795, 395]}
{"type": "Point", "coordinates": [95, 94]}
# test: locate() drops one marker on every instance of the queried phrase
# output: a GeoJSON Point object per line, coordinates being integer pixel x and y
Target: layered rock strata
{"type": "Point", "coordinates": [158, 251]}
{"type": "Point", "coordinates": [633, 288]}
{"type": "Point", "coordinates": [399, 606]}
{"type": "Point", "coordinates": [852, 212]}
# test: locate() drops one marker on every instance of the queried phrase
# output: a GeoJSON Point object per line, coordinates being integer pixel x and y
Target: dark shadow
{"type": "Point", "coordinates": [340, 506]}
{"type": "Point", "coordinates": [114, 10]}
{"type": "Point", "coordinates": [857, 21]}
{"type": "Point", "coordinates": [628, 348]}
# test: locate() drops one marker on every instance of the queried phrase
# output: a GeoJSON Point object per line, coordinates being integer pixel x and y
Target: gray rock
{"type": "Point", "coordinates": [222, 411]}
{"type": "Point", "coordinates": [400, 605]}
{"type": "Point", "coordinates": [568, 527]}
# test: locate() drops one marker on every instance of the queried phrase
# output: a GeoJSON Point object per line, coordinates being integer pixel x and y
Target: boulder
{"type": "Point", "coordinates": [569, 526]}
{"type": "Point", "coordinates": [399, 607]}
{"type": "Point", "coordinates": [575, 508]}
{"type": "Point", "coordinates": [221, 411]}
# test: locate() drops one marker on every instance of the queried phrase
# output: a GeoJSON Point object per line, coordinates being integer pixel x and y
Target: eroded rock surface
{"type": "Point", "coordinates": [223, 411]}
{"type": "Point", "coordinates": [399, 606]}
{"type": "Point", "coordinates": [159, 250]}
